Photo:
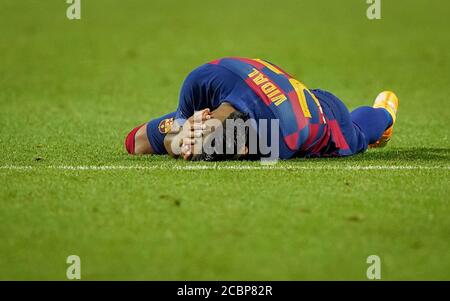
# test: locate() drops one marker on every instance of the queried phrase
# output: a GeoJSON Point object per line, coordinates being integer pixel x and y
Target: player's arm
{"type": "Point", "coordinates": [181, 139]}
{"type": "Point", "coordinates": [148, 139]}
{"type": "Point", "coordinates": [172, 141]}
{"type": "Point", "coordinates": [136, 142]}
{"type": "Point", "coordinates": [142, 145]}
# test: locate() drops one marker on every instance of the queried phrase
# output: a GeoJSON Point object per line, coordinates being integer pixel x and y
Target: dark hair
{"type": "Point", "coordinates": [230, 142]}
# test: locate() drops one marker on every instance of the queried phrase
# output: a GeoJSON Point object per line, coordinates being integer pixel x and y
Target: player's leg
{"type": "Point", "coordinates": [377, 122]}
{"type": "Point", "coordinates": [363, 127]}
{"type": "Point", "coordinates": [372, 122]}
{"type": "Point", "coordinates": [348, 138]}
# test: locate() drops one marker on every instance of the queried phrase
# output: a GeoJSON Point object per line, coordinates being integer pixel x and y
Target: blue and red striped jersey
{"type": "Point", "coordinates": [303, 125]}
{"type": "Point", "coordinates": [265, 91]}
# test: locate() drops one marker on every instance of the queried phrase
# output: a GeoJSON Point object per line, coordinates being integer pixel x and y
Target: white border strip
{"type": "Point", "coordinates": [223, 167]}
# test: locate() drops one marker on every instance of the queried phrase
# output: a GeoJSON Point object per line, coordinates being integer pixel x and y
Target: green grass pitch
{"type": "Point", "coordinates": [71, 90]}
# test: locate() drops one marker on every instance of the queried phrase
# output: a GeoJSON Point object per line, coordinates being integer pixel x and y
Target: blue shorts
{"type": "Point", "coordinates": [335, 109]}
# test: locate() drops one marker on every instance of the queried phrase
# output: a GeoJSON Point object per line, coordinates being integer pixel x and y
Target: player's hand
{"type": "Point", "coordinates": [199, 128]}
{"type": "Point", "coordinates": [192, 133]}
{"type": "Point", "coordinates": [195, 127]}
{"type": "Point", "coordinates": [186, 150]}
{"type": "Point", "coordinates": [203, 115]}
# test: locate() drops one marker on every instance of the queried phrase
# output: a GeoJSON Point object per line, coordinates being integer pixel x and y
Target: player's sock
{"type": "Point", "coordinates": [389, 117]}
{"type": "Point", "coordinates": [372, 122]}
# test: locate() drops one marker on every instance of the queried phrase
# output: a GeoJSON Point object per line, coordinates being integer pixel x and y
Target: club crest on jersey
{"type": "Point", "coordinates": [165, 125]}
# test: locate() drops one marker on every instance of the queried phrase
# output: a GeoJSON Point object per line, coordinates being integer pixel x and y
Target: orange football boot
{"type": "Point", "coordinates": [389, 101]}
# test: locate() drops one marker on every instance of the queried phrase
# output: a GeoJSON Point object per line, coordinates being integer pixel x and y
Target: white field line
{"type": "Point", "coordinates": [223, 167]}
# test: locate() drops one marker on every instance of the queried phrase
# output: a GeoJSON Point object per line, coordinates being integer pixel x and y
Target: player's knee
{"type": "Point", "coordinates": [136, 142]}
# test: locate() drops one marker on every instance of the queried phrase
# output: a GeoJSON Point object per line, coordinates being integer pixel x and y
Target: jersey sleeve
{"type": "Point", "coordinates": [157, 130]}
{"type": "Point", "coordinates": [183, 112]}
{"type": "Point", "coordinates": [189, 92]}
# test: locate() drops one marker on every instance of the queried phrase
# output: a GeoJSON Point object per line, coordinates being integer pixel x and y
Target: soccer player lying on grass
{"type": "Point", "coordinates": [311, 123]}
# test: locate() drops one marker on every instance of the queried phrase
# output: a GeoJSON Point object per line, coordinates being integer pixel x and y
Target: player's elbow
{"type": "Point", "coordinates": [136, 142]}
